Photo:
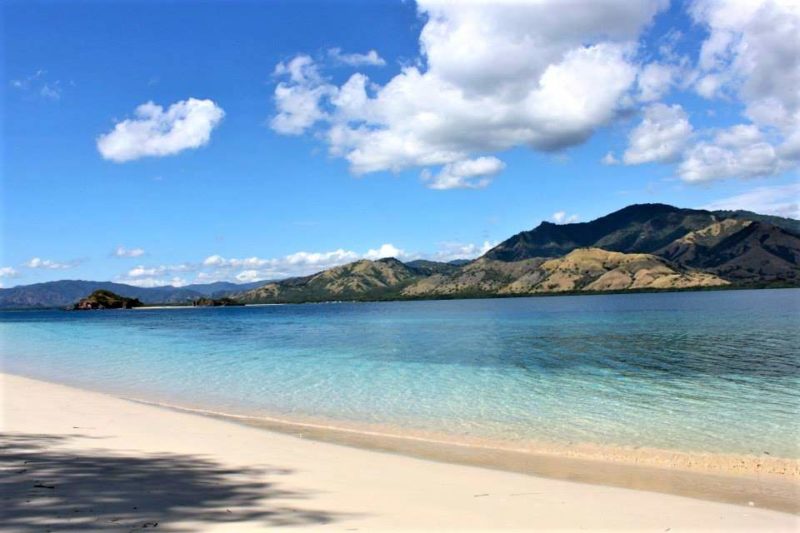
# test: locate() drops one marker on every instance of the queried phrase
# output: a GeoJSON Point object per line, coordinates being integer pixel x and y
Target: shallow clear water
{"type": "Point", "coordinates": [704, 371]}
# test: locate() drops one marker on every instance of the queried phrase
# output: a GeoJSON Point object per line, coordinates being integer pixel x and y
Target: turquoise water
{"type": "Point", "coordinates": [705, 371]}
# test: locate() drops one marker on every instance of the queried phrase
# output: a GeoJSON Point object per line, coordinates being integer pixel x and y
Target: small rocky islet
{"type": "Point", "coordinates": [103, 299]}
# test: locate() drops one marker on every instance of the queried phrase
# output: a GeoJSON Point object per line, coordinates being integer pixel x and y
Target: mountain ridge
{"type": "Point", "coordinates": [635, 228]}
{"type": "Point", "coordinates": [638, 247]}
{"type": "Point", "coordinates": [63, 293]}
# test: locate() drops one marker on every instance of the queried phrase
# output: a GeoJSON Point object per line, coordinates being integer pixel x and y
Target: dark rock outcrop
{"type": "Point", "coordinates": [102, 299]}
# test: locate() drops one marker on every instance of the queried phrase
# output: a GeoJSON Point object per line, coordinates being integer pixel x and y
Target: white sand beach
{"type": "Point", "coordinates": [82, 461]}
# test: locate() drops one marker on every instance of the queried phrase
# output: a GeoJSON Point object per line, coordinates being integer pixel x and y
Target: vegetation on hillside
{"type": "Point", "coordinates": [103, 299]}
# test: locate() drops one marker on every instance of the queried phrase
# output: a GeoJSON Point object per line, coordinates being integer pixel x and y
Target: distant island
{"type": "Point", "coordinates": [215, 302]}
{"type": "Point", "coordinates": [642, 247]}
{"type": "Point", "coordinates": [102, 299]}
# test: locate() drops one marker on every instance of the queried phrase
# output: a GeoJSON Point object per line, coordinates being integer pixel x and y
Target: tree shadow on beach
{"type": "Point", "coordinates": [44, 488]}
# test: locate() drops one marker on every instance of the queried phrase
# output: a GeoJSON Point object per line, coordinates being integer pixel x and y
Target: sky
{"type": "Point", "coordinates": [178, 142]}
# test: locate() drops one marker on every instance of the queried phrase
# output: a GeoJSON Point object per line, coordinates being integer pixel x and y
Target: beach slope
{"type": "Point", "coordinates": [83, 461]}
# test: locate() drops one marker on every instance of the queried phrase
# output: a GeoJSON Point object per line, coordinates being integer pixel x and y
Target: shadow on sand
{"type": "Point", "coordinates": [45, 488]}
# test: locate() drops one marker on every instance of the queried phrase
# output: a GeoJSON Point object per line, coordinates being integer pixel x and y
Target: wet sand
{"type": "Point", "coordinates": [79, 460]}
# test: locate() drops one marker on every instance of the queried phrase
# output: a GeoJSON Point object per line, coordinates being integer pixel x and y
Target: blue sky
{"type": "Point", "coordinates": [292, 136]}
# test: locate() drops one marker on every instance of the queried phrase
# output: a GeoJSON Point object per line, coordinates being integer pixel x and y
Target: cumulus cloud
{"type": "Point", "coordinates": [254, 268]}
{"type": "Point", "coordinates": [751, 51]}
{"type": "Point", "coordinates": [450, 251]}
{"type": "Point", "coordinates": [216, 267]}
{"type": "Point", "coordinates": [159, 275]}
{"type": "Point", "coordinates": [660, 137]}
{"type": "Point", "coordinates": [371, 58]}
{"type": "Point", "coordinates": [386, 250]}
{"type": "Point", "coordinates": [8, 272]}
{"type": "Point", "coordinates": [492, 76]}
{"type": "Point", "coordinates": [155, 132]}
{"type": "Point", "coordinates": [467, 174]}
{"type": "Point", "coordinates": [751, 54]}
{"type": "Point", "coordinates": [247, 276]}
{"type": "Point", "coordinates": [655, 80]}
{"type": "Point", "coordinates": [149, 282]}
{"type": "Point", "coordinates": [242, 270]}
{"type": "Point", "coordinates": [161, 270]}
{"type": "Point", "coordinates": [39, 263]}
{"type": "Point", "coordinates": [561, 217]}
{"type": "Point", "coordinates": [739, 151]}
{"type": "Point", "coordinates": [779, 200]}
{"type": "Point", "coordinates": [121, 251]}
{"type": "Point", "coordinates": [298, 98]}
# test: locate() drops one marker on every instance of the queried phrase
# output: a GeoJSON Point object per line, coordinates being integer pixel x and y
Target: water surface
{"type": "Point", "coordinates": [702, 371]}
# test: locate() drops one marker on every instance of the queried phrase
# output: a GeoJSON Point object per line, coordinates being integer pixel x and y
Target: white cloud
{"type": "Point", "coordinates": [298, 100]}
{"type": "Point", "coordinates": [158, 276]}
{"type": "Point", "coordinates": [148, 282]}
{"type": "Point", "coordinates": [450, 251]}
{"type": "Point", "coordinates": [253, 268]}
{"type": "Point", "coordinates": [752, 50]}
{"type": "Point", "coordinates": [214, 260]}
{"type": "Point", "coordinates": [386, 250]}
{"type": "Point", "coordinates": [610, 159]}
{"type": "Point", "coordinates": [660, 137]}
{"type": "Point", "coordinates": [655, 80]}
{"type": "Point", "coordinates": [339, 256]}
{"type": "Point", "coordinates": [121, 251]}
{"type": "Point", "coordinates": [144, 272]}
{"type": "Point", "coordinates": [8, 272]}
{"type": "Point", "coordinates": [37, 262]}
{"type": "Point", "coordinates": [739, 151]}
{"type": "Point", "coordinates": [220, 262]}
{"type": "Point", "coordinates": [561, 217]}
{"type": "Point", "coordinates": [247, 276]}
{"type": "Point", "coordinates": [466, 174]}
{"type": "Point", "coordinates": [219, 268]}
{"type": "Point", "coordinates": [751, 54]}
{"type": "Point", "coordinates": [371, 58]}
{"type": "Point", "coordinates": [779, 200]}
{"type": "Point", "coordinates": [156, 132]}
{"type": "Point", "coordinates": [492, 76]}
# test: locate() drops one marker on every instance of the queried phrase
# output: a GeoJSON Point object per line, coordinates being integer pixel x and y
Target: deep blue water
{"type": "Point", "coordinates": [706, 371]}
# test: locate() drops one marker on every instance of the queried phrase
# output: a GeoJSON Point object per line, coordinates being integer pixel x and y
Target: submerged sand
{"type": "Point", "coordinates": [406, 440]}
{"type": "Point", "coordinates": [83, 461]}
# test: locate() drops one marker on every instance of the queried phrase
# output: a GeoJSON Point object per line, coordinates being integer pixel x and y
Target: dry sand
{"type": "Point", "coordinates": [83, 461]}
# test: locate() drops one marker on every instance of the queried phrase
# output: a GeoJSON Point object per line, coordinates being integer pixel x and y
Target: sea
{"type": "Point", "coordinates": [705, 372]}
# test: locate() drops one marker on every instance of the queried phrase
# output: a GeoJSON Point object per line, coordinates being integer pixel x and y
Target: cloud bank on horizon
{"type": "Point", "coordinates": [495, 76]}
{"type": "Point", "coordinates": [243, 270]}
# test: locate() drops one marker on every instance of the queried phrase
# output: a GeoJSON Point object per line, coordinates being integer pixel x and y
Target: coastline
{"type": "Point", "coordinates": [374, 490]}
{"type": "Point", "coordinates": [375, 436]}
{"type": "Point", "coordinates": [458, 296]}
{"type": "Point", "coordinates": [737, 479]}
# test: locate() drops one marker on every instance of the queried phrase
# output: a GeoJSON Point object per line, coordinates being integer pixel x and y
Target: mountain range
{"type": "Point", "coordinates": [640, 247]}
{"type": "Point", "coordinates": [64, 293]}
